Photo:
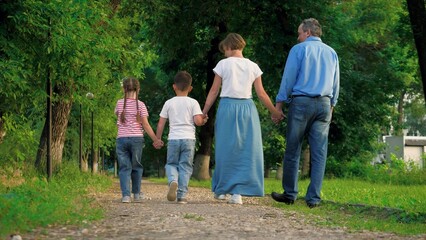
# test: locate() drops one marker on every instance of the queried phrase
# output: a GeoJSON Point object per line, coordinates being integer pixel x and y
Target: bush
{"type": "Point", "coordinates": [334, 168]}
{"type": "Point", "coordinates": [37, 202]}
{"type": "Point", "coordinates": [396, 171]}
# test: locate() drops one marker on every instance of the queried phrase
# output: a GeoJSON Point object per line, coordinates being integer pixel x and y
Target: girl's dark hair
{"type": "Point", "coordinates": [130, 84]}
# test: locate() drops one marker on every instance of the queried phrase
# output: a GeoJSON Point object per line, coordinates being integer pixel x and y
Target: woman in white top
{"type": "Point", "coordinates": [238, 139]}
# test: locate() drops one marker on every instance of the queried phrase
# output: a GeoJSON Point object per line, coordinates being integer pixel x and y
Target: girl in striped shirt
{"type": "Point", "coordinates": [132, 123]}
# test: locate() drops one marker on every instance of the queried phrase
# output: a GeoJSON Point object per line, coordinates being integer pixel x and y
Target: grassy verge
{"type": "Point", "coordinates": [357, 205]}
{"type": "Point", "coordinates": [361, 205]}
{"type": "Point", "coordinates": [65, 199]}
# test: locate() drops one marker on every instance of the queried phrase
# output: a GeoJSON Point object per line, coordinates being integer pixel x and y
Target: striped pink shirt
{"type": "Point", "coordinates": [130, 128]}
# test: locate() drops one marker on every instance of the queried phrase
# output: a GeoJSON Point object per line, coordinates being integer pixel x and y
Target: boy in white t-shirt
{"type": "Point", "coordinates": [183, 112]}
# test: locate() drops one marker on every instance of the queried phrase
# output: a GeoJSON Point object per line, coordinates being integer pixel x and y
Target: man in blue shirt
{"type": "Point", "coordinates": [310, 88]}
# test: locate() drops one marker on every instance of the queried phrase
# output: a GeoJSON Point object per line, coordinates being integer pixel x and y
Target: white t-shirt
{"type": "Point", "coordinates": [180, 112]}
{"type": "Point", "coordinates": [238, 75]}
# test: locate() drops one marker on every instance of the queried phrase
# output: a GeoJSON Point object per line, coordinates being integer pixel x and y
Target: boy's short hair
{"type": "Point", "coordinates": [183, 80]}
{"type": "Point", "coordinates": [234, 41]}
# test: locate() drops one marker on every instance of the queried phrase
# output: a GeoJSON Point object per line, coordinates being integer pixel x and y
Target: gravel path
{"type": "Point", "coordinates": [202, 218]}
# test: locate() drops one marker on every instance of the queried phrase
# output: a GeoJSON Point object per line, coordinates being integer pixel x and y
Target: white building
{"type": "Point", "coordinates": [409, 148]}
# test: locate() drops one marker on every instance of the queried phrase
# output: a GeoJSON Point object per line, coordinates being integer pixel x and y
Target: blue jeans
{"type": "Point", "coordinates": [129, 153]}
{"type": "Point", "coordinates": [180, 157]}
{"type": "Point", "coordinates": [310, 117]}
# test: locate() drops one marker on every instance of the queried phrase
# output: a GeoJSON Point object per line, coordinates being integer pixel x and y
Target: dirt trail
{"type": "Point", "coordinates": [202, 218]}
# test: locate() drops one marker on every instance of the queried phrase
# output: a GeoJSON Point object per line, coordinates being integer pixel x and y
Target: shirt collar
{"type": "Point", "coordinates": [313, 38]}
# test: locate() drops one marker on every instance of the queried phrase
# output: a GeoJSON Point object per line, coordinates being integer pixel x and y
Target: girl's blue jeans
{"type": "Point", "coordinates": [129, 153]}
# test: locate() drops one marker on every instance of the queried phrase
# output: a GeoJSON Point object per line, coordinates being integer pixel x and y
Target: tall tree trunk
{"type": "Point", "coordinates": [202, 157]}
{"type": "Point", "coordinates": [95, 163]}
{"type": "Point", "coordinates": [306, 162]}
{"type": "Point", "coordinates": [399, 127]}
{"type": "Point", "coordinates": [2, 130]}
{"type": "Point", "coordinates": [279, 175]}
{"type": "Point", "coordinates": [267, 172]}
{"type": "Point", "coordinates": [60, 114]}
{"type": "Point", "coordinates": [417, 11]}
{"type": "Point", "coordinates": [84, 167]}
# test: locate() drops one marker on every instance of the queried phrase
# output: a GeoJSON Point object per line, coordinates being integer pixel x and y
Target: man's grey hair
{"type": "Point", "coordinates": [313, 25]}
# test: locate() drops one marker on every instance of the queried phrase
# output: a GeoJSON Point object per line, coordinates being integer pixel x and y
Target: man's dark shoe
{"type": "Point", "coordinates": [281, 198]}
{"type": "Point", "coordinates": [313, 205]}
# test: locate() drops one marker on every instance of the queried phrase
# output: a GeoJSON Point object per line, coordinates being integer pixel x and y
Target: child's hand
{"type": "Point", "coordinates": [158, 144]}
{"type": "Point", "coordinates": [205, 118]}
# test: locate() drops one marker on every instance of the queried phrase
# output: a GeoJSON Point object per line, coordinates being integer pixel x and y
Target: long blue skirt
{"type": "Point", "coordinates": [238, 149]}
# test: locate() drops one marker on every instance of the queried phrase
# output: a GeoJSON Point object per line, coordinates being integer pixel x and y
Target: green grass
{"type": "Point", "coordinates": [357, 205]}
{"type": "Point", "coordinates": [361, 205]}
{"type": "Point", "coordinates": [65, 199]}
{"type": "Point", "coordinates": [193, 216]}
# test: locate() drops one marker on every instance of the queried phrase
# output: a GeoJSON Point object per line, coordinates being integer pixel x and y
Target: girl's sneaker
{"type": "Point", "coordinates": [220, 196]}
{"type": "Point", "coordinates": [126, 199]}
{"type": "Point", "coordinates": [236, 199]}
{"type": "Point", "coordinates": [137, 197]}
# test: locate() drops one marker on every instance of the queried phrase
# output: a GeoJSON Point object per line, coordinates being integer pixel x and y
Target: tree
{"type": "Point", "coordinates": [94, 44]}
{"type": "Point", "coordinates": [377, 75]}
{"type": "Point", "coordinates": [81, 47]}
{"type": "Point", "coordinates": [417, 11]}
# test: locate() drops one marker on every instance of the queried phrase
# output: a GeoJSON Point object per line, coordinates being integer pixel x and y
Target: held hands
{"type": "Point", "coordinates": [205, 118]}
{"type": "Point", "coordinates": [158, 144]}
{"type": "Point", "coordinates": [277, 116]}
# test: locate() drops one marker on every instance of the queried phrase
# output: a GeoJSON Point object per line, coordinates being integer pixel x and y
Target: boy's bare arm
{"type": "Point", "coordinates": [148, 129]}
{"type": "Point", "coordinates": [160, 127]}
{"type": "Point", "coordinates": [200, 119]}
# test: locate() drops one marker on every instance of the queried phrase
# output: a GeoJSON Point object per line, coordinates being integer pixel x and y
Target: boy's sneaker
{"type": "Point", "coordinates": [182, 201]}
{"type": "Point", "coordinates": [220, 196]}
{"type": "Point", "coordinates": [171, 195]}
{"type": "Point", "coordinates": [126, 199]}
{"type": "Point", "coordinates": [137, 197]}
{"type": "Point", "coordinates": [236, 199]}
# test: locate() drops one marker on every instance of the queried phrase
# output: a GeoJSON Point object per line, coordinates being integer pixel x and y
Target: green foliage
{"type": "Point", "coordinates": [337, 168]}
{"type": "Point", "coordinates": [82, 46]}
{"type": "Point", "coordinates": [376, 70]}
{"type": "Point", "coordinates": [63, 200]}
{"type": "Point", "coordinates": [415, 111]}
{"type": "Point", "coordinates": [397, 171]}
{"type": "Point", "coordinates": [20, 142]}
{"type": "Point", "coordinates": [88, 47]}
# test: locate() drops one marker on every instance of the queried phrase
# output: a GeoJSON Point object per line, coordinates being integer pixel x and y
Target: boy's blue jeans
{"type": "Point", "coordinates": [180, 158]}
{"type": "Point", "coordinates": [306, 117]}
{"type": "Point", "coordinates": [129, 153]}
